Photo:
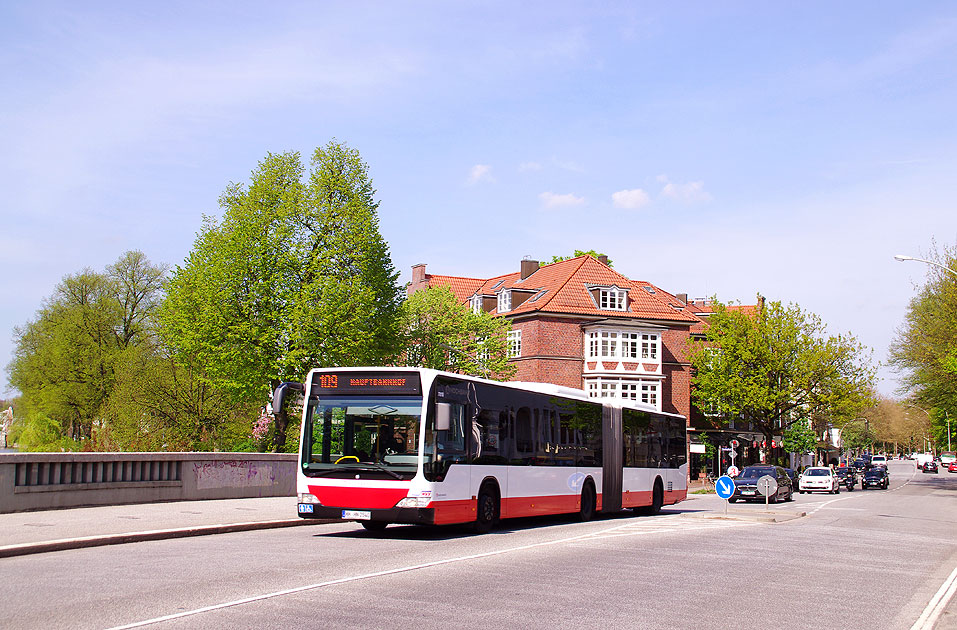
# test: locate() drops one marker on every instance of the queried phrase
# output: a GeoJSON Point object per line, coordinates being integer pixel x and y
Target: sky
{"type": "Point", "coordinates": [711, 148]}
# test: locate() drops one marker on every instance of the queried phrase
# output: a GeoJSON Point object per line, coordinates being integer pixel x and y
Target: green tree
{"type": "Point", "coordinates": [925, 348]}
{"type": "Point", "coordinates": [799, 438]}
{"type": "Point", "coordinates": [577, 253]}
{"type": "Point", "coordinates": [294, 276]}
{"type": "Point", "coordinates": [163, 405]}
{"type": "Point", "coordinates": [64, 359]}
{"type": "Point", "coordinates": [444, 334]}
{"type": "Point", "coordinates": [776, 367]}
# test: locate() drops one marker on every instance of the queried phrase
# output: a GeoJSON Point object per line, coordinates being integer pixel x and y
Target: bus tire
{"type": "Point", "coordinates": [586, 510]}
{"type": "Point", "coordinates": [374, 526]}
{"type": "Point", "coordinates": [486, 509]}
{"type": "Point", "coordinates": [657, 500]}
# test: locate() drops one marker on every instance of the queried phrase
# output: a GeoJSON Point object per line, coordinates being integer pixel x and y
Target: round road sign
{"type": "Point", "coordinates": [767, 485]}
{"type": "Point", "coordinates": [733, 471]}
{"type": "Point", "coordinates": [724, 486]}
{"type": "Point", "coordinates": [734, 444]}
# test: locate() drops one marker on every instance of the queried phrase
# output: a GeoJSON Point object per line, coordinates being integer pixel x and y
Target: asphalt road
{"type": "Point", "coordinates": [866, 559]}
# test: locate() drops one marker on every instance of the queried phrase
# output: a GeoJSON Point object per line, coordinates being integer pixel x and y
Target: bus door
{"type": "Point", "coordinates": [613, 447]}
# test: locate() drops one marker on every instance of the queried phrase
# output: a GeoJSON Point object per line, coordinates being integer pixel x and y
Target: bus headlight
{"type": "Point", "coordinates": [308, 498]}
{"type": "Point", "coordinates": [414, 502]}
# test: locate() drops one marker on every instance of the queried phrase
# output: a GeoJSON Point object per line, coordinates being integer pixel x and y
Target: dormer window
{"type": "Point", "coordinates": [612, 299]}
{"type": "Point", "coordinates": [504, 301]}
{"type": "Point", "coordinates": [476, 304]}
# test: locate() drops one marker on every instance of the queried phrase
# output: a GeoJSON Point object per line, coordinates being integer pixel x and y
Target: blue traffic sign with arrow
{"type": "Point", "coordinates": [724, 486]}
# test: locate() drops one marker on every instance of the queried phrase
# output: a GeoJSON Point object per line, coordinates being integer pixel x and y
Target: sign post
{"type": "Point", "coordinates": [767, 485]}
{"type": "Point", "coordinates": [724, 487]}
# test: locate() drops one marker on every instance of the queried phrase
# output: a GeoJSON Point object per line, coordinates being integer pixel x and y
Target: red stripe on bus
{"type": "Point", "coordinates": [448, 512]}
{"type": "Point", "coordinates": [635, 499]}
{"type": "Point", "coordinates": [359, 498]}
{"type": "Point", "coordinates": [518, 507]}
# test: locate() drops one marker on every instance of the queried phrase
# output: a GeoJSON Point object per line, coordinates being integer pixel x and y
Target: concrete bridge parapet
{"type": "Point", "coordinates": [41, 481]}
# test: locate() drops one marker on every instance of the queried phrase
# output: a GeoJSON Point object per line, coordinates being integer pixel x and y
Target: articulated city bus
{"type": "Point", "coordinates": [410, 445]}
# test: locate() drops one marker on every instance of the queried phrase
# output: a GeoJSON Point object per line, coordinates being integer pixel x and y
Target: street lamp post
{"type": "Point", "coordinates": [902, 258]}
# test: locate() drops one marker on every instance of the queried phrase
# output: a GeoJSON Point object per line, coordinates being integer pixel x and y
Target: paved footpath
{"type": "Point", "coordinates": [52, 530]}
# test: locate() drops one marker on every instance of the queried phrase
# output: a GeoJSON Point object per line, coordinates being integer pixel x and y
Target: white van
{"type": "Point", "coordinates": [879, 460]}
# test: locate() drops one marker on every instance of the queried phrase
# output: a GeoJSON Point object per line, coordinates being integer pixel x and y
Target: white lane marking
{"type": "Point", "coordinates": [356, 578]}
{"type": "Point", "coordinates": [641, 529]}
{"type": "Point", "coordinates": [937, 604]}
{"type": "Point", "coordinates": [826, 503]}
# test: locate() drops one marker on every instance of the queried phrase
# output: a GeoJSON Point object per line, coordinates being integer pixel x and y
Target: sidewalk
{"type": "Point", "coordinates": [53, 530]}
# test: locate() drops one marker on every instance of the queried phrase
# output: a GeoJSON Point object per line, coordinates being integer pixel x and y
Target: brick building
{"type": "Point", "coordinates": [581, 324]}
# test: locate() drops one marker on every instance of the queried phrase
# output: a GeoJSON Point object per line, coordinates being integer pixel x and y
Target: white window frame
{"type": "Point", "coordinates": [643, 391]}
{"type": "Point", "coordinates": [605, 344]}
{"type": "Point", "coordinates": [612, 299]}
{"type": "Point", "coordinates": [504, 301]}
{"type": "Point", "coordinates": [649, 393]}
{"type": "Point", "coordinates": [477, 304]}
{"type": "Point", "coordinates": [514, 340]}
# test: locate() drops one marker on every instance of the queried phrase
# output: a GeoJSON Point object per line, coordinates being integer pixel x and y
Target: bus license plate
{"type": "Point", "coordinates": [356, 515]}
{"type": "Point", "coordinates": [305, 508]}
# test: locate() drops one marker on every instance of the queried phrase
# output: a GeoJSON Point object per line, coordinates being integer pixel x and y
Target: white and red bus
{"type": "Point", "coordinates": [411, 445]}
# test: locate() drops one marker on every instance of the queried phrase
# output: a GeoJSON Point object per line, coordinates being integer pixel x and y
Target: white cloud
{"type": "Point", "coordinates": [692, 192]}
{"type": "Point", "coordinates": [529, 166]}
{"type": "Point", "coordinates": [480, 173]}
{"type": "Point", "coordinates": [630, 199]}
{"type": "Point", "coordinates": [552, 200]}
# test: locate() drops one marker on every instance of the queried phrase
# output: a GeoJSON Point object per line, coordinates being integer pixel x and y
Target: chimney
{"type": "Point", "coordinates": [603, 259]}
{"type": "Point", "coordinates": [529, 267]}
{"type": "Point", "coordinates": [682, 297]}
{"type": "Point", "coordinates": [419, 278]}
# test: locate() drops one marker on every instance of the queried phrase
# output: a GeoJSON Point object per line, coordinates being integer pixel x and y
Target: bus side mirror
{"type": "Point", "coordinates": [281, 393]}
{"type": "Point", "coordinates": [443, 416]}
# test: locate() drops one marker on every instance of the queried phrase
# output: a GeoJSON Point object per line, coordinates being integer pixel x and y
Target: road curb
{"type": "Point", "coordinates": [749, 516]}
{"type": "Point", "coordinates": [8, 551]}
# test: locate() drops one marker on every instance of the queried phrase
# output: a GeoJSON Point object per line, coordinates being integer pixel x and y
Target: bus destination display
{"type": "Point", "coordinates": [350, 383]}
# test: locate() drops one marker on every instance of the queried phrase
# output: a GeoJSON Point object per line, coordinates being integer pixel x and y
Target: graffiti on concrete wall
{"type": "Point", "coordinates": [234, 474]}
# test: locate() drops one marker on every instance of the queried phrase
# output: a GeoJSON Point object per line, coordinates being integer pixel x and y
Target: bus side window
{"type": "Point", "coordinates": [524, 437]}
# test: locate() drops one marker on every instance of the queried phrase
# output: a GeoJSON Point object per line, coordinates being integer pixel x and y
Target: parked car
{"type": "Point", "coordinates": [746, 484]}
{"type": "Point", "coordinates": [952, 467]}
{"type": "Point", "coordinates": [847, 476]}
{"type": "Point", "coordinates": [876, 477]}
{"type": "Point", "coordinates": [929, 466]}
{"type": "Point", "coordinates": [819, 479]}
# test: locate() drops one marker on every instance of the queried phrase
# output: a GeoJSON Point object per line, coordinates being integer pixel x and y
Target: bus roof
{"type": "Point", "coordinates": [543, 388]}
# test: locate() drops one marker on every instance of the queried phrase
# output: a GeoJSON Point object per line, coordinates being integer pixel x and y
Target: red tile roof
{"type": "Point", "coordinates": [463, 288]}
{"type": "Point", "coordinates": [704, 309]}
{"type": "Point", "coordinates": [562, 287]}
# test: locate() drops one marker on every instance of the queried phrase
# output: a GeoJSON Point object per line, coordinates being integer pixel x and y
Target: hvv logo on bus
{"type": "Point", "coordinates": [575, 481]}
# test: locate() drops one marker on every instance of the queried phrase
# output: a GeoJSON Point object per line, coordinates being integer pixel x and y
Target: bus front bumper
{"type": "Point", "coordinates": [411, 516]}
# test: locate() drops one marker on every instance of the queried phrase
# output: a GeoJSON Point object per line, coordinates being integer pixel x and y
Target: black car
{"type": "Point", "coordinates": [848, 477]}
{"type": "Point", "coordinates": [861, 465]}
{"type": "Point", "coordinates": [876, 477]}
{"type": "Point", "coordinates": [795, 477]}
{"type": "Point", "coordinates": [746, 484]}
{"type": "Point", "coordinates": [930, 466]}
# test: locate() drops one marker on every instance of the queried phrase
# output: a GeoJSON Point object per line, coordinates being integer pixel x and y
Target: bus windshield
{"type": "Point", "coordinates": [362, 432]}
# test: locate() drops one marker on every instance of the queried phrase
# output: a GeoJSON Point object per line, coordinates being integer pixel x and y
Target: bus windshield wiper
{"type": "Point", "coordinates": [379, 466]}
